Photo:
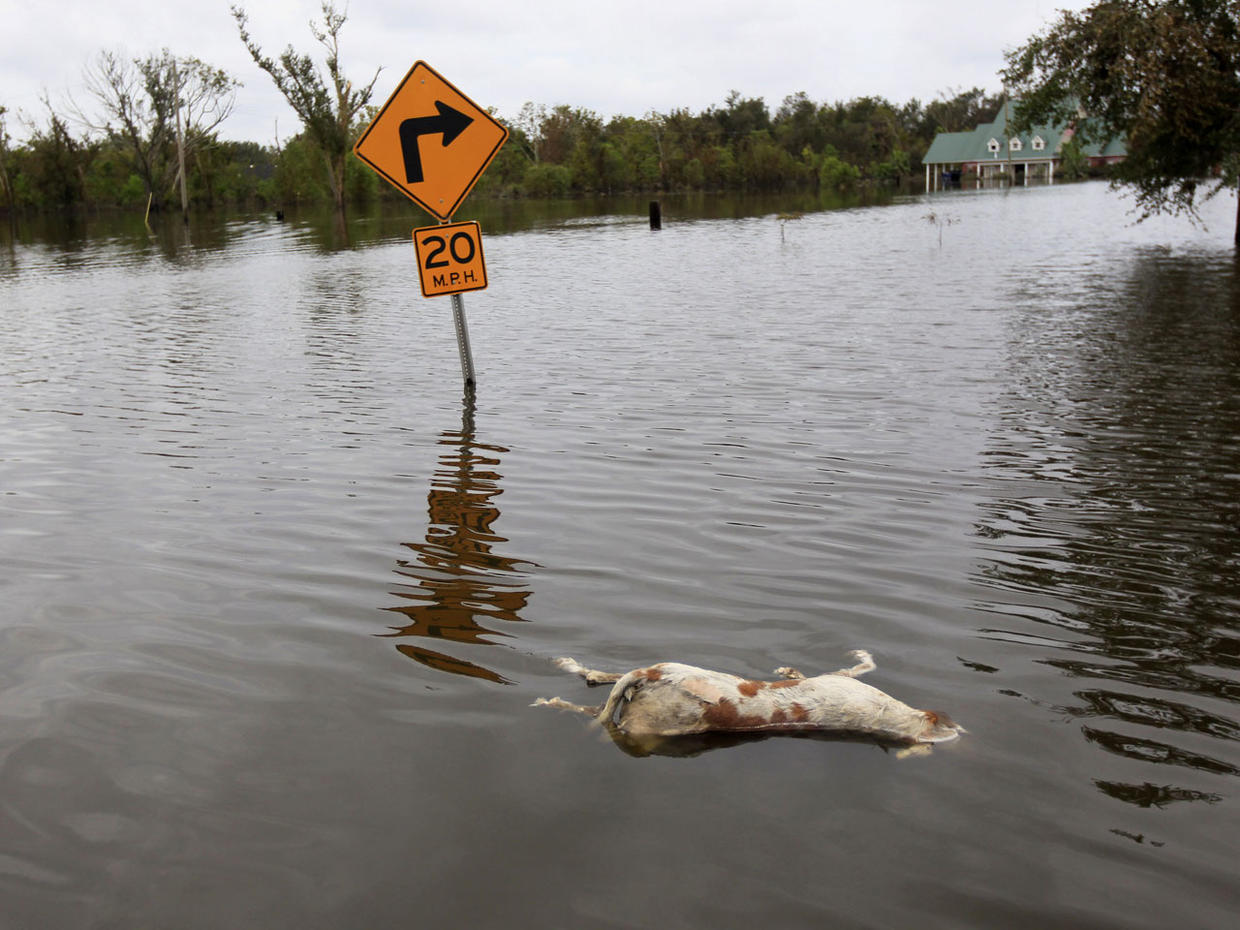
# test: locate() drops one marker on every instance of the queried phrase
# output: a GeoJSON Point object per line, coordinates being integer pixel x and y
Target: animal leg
{"type": "Point", "coordinates": [562, 704]}
{"type": "Point", "coordinates": [785, 671]}
{"type": "Point", "coordinates": [592, 676]}
{"type": "Point", "coordinates": [865, 663]}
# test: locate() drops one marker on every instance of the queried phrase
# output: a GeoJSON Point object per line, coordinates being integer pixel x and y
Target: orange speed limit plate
{"type": "Point", "coordinates": [450, 258]}
{"type": "Point", "coordinates": [431, 141]}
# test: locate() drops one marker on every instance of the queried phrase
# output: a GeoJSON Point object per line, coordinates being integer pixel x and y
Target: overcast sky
{"type": "Point", "coordinates": [616, 58]}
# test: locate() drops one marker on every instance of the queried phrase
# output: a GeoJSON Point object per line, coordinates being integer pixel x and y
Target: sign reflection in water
{"type": "Point", "coordinates": [459, 585]}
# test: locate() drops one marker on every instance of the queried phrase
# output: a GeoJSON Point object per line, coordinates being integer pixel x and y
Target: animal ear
{"type": "Point", "coordinates": [940, 727]}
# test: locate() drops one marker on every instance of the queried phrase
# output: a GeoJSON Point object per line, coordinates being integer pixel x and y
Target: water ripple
{"type": "Point", "coordinates": [241, 493]}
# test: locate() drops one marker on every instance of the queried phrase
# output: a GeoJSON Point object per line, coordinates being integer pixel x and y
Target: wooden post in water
{"type": "Point", "coordinates": [656, 215]}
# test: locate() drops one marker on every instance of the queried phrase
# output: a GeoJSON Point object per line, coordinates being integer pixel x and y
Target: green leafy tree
{"type": "Point", "coordinates": [694, 174]}
{"type": "Point", "coordinates": [797, 124]}
{"type": "Point", "coordinates": [630, 157]}
{"type": "Point", "coordinates": [721, 169]}
{"type": "Point", "coordinates": [236, 172]}
{"type": "Point", "coordinates": [299, 175]}
{"type": "Point", "coordinates": [893, 168]}
{"type": "Point", "coordinates": [688, 138]}
{"type": "Point", "coordinates": [111, 179]}
{"type": "Point", "coordinates": [326, 108]}
{"type": "Point", "coordinates": [836, 174]}
{"type": "Point", "coordinates": [1162, 74]}
{"type": "Point", "coordinates": [55, 164]}
{"type": "Point", "coordinates": [506, 173]}
{"type": "Point", "coordinates": [548, 181]}
{"type": "Point", "coordinates": [1073, 162]}
{"type": "Point", "coordinates": [956, 110]}
{"type": "Point", "coordinates": [617, 169]}
{"type": "Point", "coordinates": [764, 164]}
{"type": "Point", "coordinates": [742, 116]}
{"type": "Point", "coordinates": [585, 158]}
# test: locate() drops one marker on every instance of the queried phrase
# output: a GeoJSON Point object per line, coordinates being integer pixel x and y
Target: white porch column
{"type": "Point", "coordinates": [927, 178]}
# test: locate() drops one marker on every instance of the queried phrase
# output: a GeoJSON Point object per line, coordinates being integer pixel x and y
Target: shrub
{"type": "Point", "coordinates": [546, 180]}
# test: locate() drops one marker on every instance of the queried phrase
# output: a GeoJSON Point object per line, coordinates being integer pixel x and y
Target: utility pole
{"type": "Point", "coordinates": [176, 81]}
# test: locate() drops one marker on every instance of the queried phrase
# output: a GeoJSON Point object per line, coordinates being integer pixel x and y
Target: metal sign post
{"type": "Point", "coordinates": [462, 341]}
{"type": "Point", "coordinates": [450, 261]}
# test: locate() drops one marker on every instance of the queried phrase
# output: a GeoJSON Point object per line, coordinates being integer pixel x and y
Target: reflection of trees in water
{"type": "Point", "coordinates": [458, 584]}
{"type": "Point", "coordinates": [1121, 528]}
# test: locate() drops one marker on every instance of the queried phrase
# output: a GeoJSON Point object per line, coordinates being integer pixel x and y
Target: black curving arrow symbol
{"type": "Point", "coordinates": [450, 122]}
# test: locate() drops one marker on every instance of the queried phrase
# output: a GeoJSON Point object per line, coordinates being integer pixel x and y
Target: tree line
{"type": "Point", "coordinates": [1162, 74]}
{"type": "Point", "coordinates": [121, 148]}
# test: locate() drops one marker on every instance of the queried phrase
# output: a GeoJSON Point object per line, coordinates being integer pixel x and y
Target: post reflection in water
{"type": "Point", "coordinates": [1117, 532]}
{"type": "Point", "coordinates": [458, 583]}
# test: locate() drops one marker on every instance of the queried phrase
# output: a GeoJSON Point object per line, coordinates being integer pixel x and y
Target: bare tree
{"type": "Point", "coordinates": [139, 101]}
{"type": "Point", "coordinates": [529, 122]}
{"type": "Point", "coordinates": [327, 113]}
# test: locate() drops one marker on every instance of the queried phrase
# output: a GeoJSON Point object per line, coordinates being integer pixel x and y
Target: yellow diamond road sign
{"type": "Point", "coordinates": [431, 141]}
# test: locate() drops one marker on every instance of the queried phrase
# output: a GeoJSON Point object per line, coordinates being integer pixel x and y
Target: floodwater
{"type": "Point", "coordinates": [276, 600]}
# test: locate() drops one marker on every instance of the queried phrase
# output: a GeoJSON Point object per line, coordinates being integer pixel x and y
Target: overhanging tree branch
{"type": "Point", "coordinates": [1163, 74]}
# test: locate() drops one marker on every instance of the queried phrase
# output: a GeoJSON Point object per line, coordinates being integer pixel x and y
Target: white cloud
{"type": "Point", "coordinates": [611, 57]}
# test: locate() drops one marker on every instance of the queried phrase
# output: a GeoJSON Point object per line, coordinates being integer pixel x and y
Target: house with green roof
{"type": "Point", "coordinates": [990, 149]}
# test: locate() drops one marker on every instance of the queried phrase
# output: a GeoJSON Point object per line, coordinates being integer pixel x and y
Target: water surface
{"type": "Point", "coordinates": [276, 600]}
